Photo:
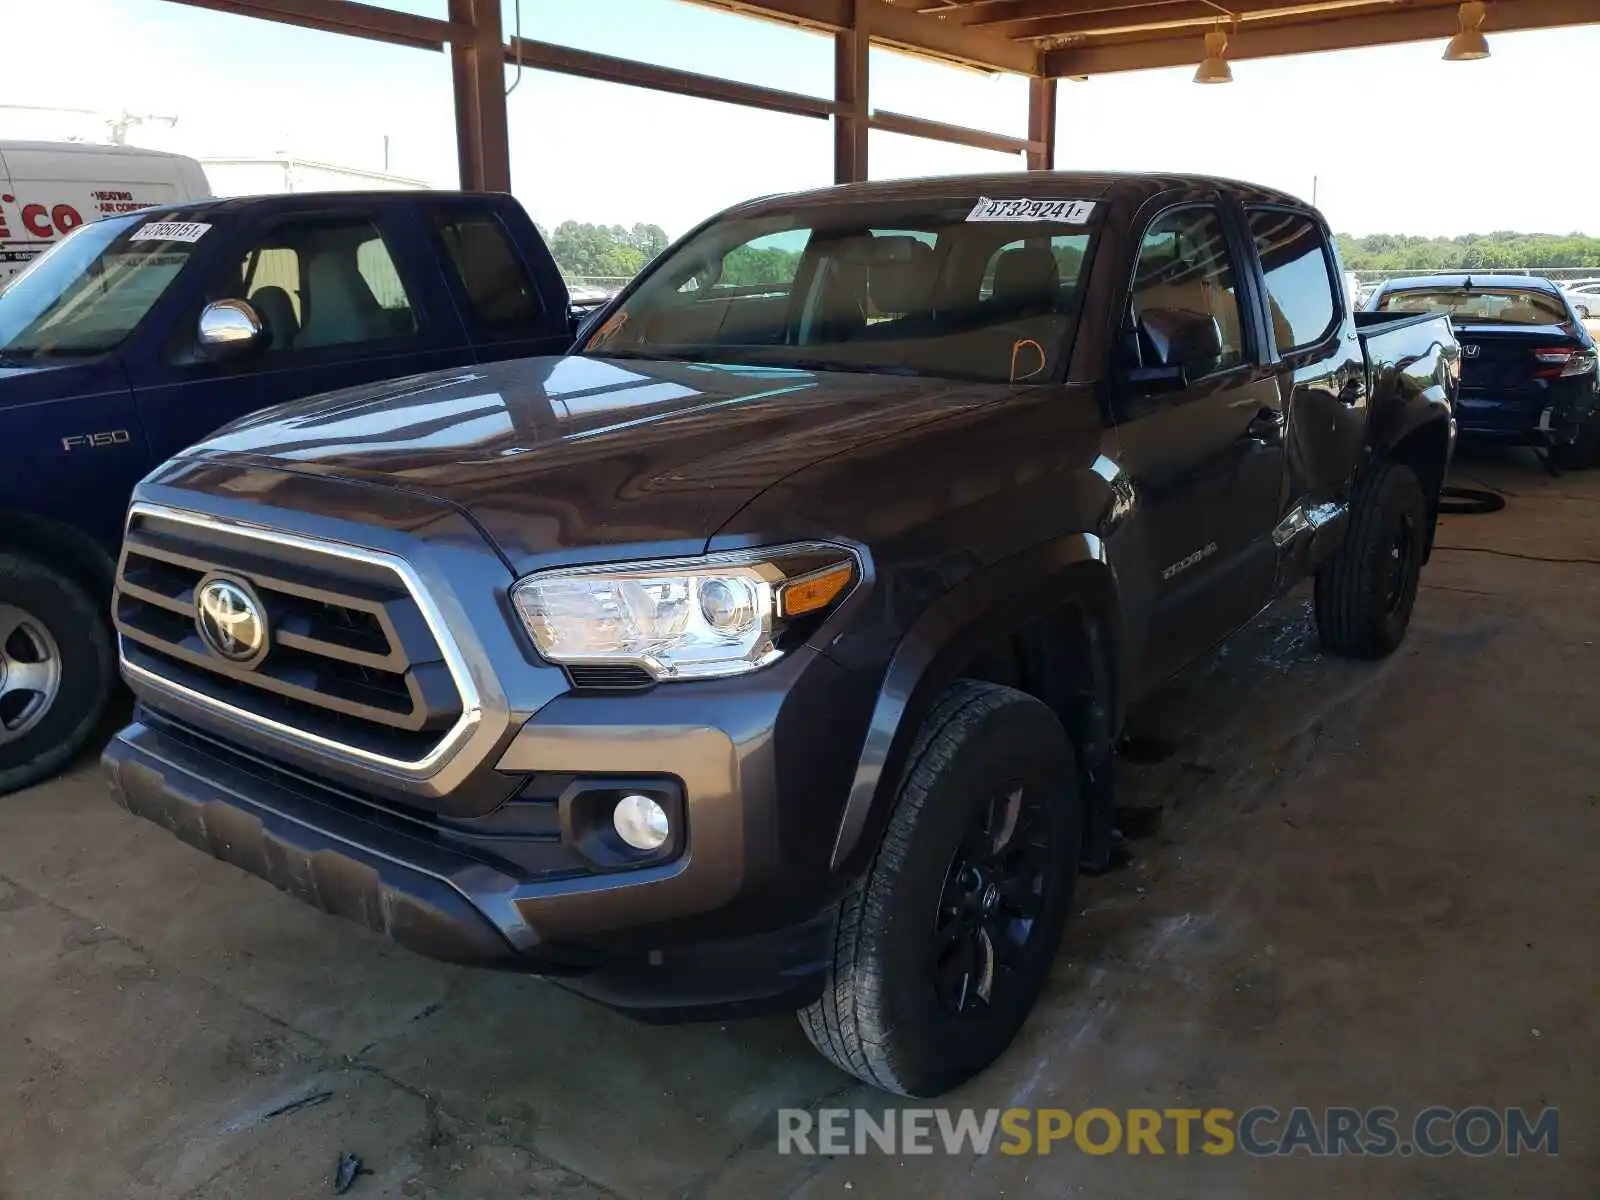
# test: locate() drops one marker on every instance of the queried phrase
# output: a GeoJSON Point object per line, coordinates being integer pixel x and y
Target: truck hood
{"type": "Point", "coordinates": [24, 382]}
{"type": "Point", "coordinates": [581, 457]}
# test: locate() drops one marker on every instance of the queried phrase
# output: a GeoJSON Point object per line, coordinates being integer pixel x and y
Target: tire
{"type": "Point", "coordinates": [902, 1009]}
{"type": "Point", "coordinates": [56, 670]}
{"type": "Point", "coordinates": [1364, 594]}
{"type": "Point", "coordinates": [1583, 451]}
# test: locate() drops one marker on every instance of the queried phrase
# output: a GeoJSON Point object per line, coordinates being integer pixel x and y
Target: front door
{"type": "Point", "coordinates": [341, 306]}
{"type": "Point", "coordinates": [1205, 448]}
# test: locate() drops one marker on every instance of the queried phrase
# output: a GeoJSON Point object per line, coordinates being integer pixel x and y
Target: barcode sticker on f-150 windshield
{"type": "Point", "coordinates": [169, 231]}
{"type": "Point", "coordinates": [1068, 212]}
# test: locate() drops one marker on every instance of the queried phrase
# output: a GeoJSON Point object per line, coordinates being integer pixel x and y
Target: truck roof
{"type": "Point", "coordinates": [235, 205]}
{"type": "Point", "coordinates": [1076, 185]}
{"type": "Point", "coordinates": [91, 148]}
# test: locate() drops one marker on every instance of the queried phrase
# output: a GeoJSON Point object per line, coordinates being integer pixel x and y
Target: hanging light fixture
{"type": "Point", "coordinates": [1470, 42]}
{"type": "Point", "coordinates": [1214, 67]}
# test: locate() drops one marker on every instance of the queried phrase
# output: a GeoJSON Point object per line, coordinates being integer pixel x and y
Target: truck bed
{"type": "Point", "coordinates": [1411, 342]}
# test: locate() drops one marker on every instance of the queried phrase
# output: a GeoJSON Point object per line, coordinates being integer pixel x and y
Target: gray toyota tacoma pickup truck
{"type": "Point", "coordinates": [771, 648]}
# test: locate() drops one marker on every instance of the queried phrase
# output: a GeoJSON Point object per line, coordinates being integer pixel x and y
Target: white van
{"type": "Point", "coordinates": [48, 189]}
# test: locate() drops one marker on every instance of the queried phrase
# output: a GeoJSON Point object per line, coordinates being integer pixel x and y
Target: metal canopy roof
{"type": "Point", "coordinates": [1091, 37]}
{"type": "Point", "coordinates": [1040, 39]}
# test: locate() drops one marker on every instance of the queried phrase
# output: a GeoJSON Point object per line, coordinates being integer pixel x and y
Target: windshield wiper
{"type": "Point", "coordinates": [647, 356]}
{"type": "Point", "coordinates": [826, 364]}
{"type": "Point", "coordinates": [723, 356]}
{"type": "Point", "coordinates": [45, 352]}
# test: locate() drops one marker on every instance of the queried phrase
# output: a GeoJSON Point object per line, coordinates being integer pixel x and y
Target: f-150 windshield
{"type": "Point", "coordinates": [961, 289]}
{"type": "Point", "coordinates": [1489, 306]}
{"type": "Point", "coordinates": [87, 293]}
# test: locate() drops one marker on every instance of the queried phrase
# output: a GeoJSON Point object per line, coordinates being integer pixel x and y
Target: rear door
{"type": "Point", "coordinates": [349, 295]}
{"type": "Point", "coordinates": [511, 298]}
{"type": "Point", "coordinates": [1206, 459]}
{"type": "Point", "coordinates": [1313, 350]}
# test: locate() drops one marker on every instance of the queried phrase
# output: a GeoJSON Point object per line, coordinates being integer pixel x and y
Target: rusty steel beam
{"type": "Point", "coordinates": [346, 17]}
{"type": "Point", "coordinates": [960, 135]}
{"type": "Point", "coordinates": [477, 68]}
{"type": "Point", "coordinates": [1313, 36]}
{"type": "Point", "coordinates": [851, 104]}
{"type": "Point", "coordinates": [564, 60]}
{"type": "Point", "coordinates": [1041, 124]}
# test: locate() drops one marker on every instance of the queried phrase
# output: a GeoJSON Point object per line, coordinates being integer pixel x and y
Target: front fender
{"type": "Point", "coordinates": [981, 611]}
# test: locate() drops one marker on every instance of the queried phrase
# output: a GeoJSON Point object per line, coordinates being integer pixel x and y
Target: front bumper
{"type": "Point", "coordinates": [723, 928]}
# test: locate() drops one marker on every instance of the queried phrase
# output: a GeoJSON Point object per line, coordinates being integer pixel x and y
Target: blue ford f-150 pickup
{"type": "Point", "coordinates": [140, 334]}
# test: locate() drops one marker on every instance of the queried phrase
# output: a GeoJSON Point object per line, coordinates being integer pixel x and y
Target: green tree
{"type": "Point", "coordinates": [753, 265]}
{"type": "Point", "coordinates": [648, 240]}
{"type": "Point", "coordinates": [1499, 250]}
{"type": "Point", "coordinates": [581, 249]}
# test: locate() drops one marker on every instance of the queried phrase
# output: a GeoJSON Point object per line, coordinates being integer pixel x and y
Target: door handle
{"type": "Point", "coordinates": [1266, 425]}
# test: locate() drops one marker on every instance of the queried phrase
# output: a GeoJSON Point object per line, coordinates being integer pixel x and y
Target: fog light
{"type": "Point", "coordinates": [641, 822]}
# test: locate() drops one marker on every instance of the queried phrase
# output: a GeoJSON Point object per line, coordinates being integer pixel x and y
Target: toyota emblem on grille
{"type": "Point", "coordinates": [231, 620]}
{"type": "Point", "coordinates": [1470, 349]}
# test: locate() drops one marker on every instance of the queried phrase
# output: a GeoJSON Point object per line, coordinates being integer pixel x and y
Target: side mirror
{"type": "Point", "coordinates": [1180, 336]}
{"type": "Point", "coordinates": [1147, 381]}
{"type": "Point", "coordinates": [229, 328]}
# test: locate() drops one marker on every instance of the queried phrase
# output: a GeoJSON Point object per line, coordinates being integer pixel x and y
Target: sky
{"type": "Point", "coordinates": [1392, 139]}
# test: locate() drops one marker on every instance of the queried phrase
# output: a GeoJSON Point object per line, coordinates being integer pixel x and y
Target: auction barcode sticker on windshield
{"type": "Point", "coordinates": [1068, 212]}
{"type": "Point", "coordinates": [170, 231]}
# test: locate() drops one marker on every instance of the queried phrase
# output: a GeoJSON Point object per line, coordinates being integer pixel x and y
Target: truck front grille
{"type": "Point", "coordinates": [351, 658]}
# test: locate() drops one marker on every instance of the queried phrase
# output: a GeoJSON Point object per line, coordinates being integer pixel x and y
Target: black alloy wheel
{"type": "Point", "coordinates": [993, 894]}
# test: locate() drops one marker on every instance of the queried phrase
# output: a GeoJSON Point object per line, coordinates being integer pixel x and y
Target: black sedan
{"type": "Point", "coordinates": [1528, 365]}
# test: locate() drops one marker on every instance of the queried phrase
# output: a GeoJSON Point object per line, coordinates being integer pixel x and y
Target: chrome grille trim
{"type": "Point", "coordinates": [472, 709]}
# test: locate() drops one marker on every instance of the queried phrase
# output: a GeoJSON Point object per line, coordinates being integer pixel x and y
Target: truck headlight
{"type": "Point", "coordinates": [684, 618]}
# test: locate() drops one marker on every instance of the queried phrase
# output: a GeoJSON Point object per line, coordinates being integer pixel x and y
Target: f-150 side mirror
{"type": "Point", "coordinates": [229, 328]}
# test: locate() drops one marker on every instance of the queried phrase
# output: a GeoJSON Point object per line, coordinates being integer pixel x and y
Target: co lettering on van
{"type": "Point", "coordinates": [43, 221]}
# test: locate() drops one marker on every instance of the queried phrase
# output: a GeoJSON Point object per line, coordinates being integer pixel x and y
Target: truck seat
{"type": "Point", "coordinates": [1027, 282]}
{"type": "Point", "coordinates": [339, 307]}
{"type": "Point", "coordinates": [276, 310]}
{"type": "Point", "coordinates": [901, 277]}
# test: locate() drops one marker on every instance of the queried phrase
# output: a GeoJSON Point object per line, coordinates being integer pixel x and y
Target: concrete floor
{"type": "Point", "coordinates": [1371, 885]}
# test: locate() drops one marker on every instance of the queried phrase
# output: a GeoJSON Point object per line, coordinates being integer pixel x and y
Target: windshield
{"type": "Point", "coordinates": [1500, 306]}
{"type": "Point", "coordinates": [957, 289]}
{"type": "Point", "coordinates": [87, 292]}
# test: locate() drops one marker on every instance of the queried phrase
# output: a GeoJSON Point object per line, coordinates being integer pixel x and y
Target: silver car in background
{"type": "Point", "coordinates": [1584, 296]}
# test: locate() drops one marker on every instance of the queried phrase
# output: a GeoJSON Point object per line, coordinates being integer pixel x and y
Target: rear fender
{"type": "Point", "coordinates": [983, 614]}
{"type": "Point", "coordinates": [1412, 392]}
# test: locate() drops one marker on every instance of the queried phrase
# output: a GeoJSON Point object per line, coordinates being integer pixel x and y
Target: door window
{"type": "Point", "coordinates": [1185, 305]}
{"type": "Point", "coordinates": [497, 287]}
{"type": "Point", "coordinates": [1294, 259]}
{"type": "Point", "coordinates": [321, 282]}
